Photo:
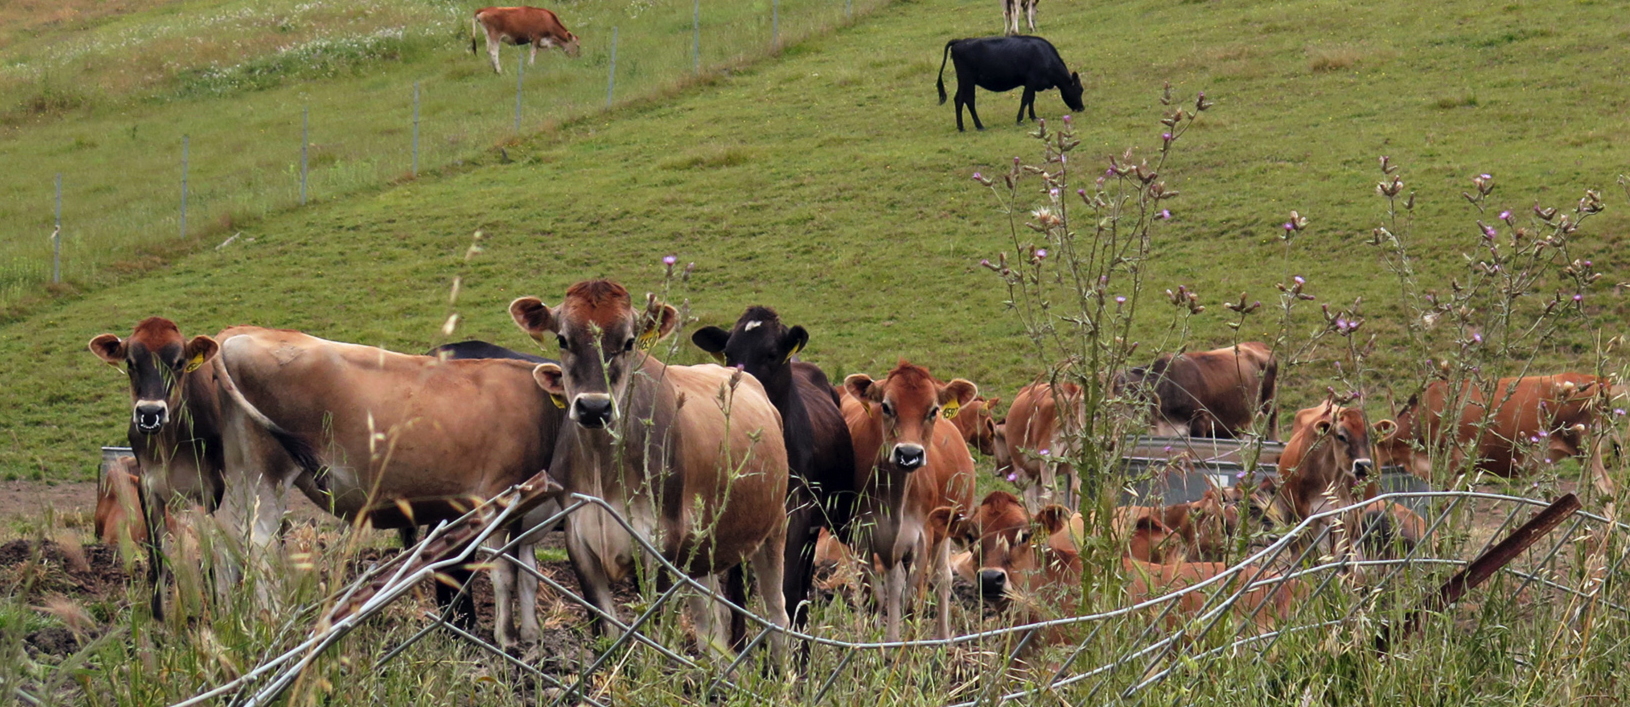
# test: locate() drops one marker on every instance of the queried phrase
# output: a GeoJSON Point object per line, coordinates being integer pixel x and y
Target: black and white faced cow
{"type": "Point", "coordinates": [1002, 64]}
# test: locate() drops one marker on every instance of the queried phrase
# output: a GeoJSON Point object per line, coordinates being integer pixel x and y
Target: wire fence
{"type": "Point", "coordinates": [1114, 652]}
{"type": "Point", "coordinates": [197, 168]}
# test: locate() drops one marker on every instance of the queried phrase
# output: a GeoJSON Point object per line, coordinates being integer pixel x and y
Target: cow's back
{"type": "Point", "coordinates": [1004, 63]}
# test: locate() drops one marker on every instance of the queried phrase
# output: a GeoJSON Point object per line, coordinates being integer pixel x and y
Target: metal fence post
{"type": "Point", "coordinates": [696, 37]}
{"type": "Point", "coordinates": [520, 68]}
{"type": "Point", "coordinates": [56, 237]}
{"type": "Point", "coordinates": [775, 23]}
{"type": "Point", "coordinates": [184, 186]}
{"type": "Point", "coordinates": [848, 11]}
{"type": "Point", "coordinates": [415, 129]}
{"type": "Point", "coordinates": [611, 81]}
{"type": "Point", "coordinates": [305, 142]}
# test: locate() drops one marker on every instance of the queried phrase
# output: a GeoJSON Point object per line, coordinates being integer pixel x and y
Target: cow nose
{"type": "Point", "coordinates": [151, 416]}
{"type": "Point", "coordinates": [1363, 468]}
{"type": "Point", "coordinates": [909, 456]}
{"type": "Point", "coordinates": [992, 582]}
{"type": "Point", "coordinates": [593, 411]}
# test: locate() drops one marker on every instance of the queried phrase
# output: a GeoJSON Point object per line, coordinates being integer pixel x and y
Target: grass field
{"type": "Point", "coordinates": [827, 182]}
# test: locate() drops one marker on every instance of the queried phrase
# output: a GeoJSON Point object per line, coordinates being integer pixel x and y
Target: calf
{"type": "Point", "coordinates": [692, 456]}
{"type": "Point", "coordinates": [1038, 434]}
{"type": "Point", "coordinates": [1216, 393]}
{"type": "Point", "coordinates": [1002, 64]}
{"type": "Point", "coordinates": [1537, 420]}
{"type": "Point", "coordinates": [820, 455]}
{"type": "Point", "coordinates": [520, 26]}
{"type": "Point", "coordinates": [909, 461]}
{"type": "Point", "coordinates": [119, 504]}
{"type": "Point", "coordinates": [175, 422]}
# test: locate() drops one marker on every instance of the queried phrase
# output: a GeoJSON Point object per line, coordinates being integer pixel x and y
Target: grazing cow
{"type": "Point", "coordinates": [1325, 459]}
{"type": "Point", "coordinates": [375, 436]}
{"type": "Point", "coordinates": [1001, 64]}
{"type": "Point", "coordinates": [820, 455]}
{"type": "Point", "coordinates": [909, 461]}
{"type": "Point", "coordinates": [978, 425]}
{"type": "Point", "coordinates": [505, 576]}
{"type": "Point", "coordinates": [1215, 393]}
{"type": "Point", "coordinates": [1038, 431]}
{"type": "Point", "coordinates": [175, 422]}
{"type": "Point", "coordinates": [520, 26]}
{"type": "Point", "coordinates": [1537, 420]}
{"type": "Point", "coordinates": [692, 456]}
{"type": "Point", "coordinates": [1012, 9]}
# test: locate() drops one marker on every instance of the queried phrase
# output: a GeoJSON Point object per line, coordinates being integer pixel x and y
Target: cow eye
{"type": "Point", "coordinates": [628, 345]}
{"type": "Point", "coordinates": [933, 413]}
{"type": "Point", "coordinates": [888, 409]}
{"type": "Point", "coordinates": [561, 340]}
{"type": "Point", "coordinates": [1021, 537]}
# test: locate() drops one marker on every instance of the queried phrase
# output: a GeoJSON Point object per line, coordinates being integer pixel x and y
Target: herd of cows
{"type": "Point", "coordinates": [762, 461]}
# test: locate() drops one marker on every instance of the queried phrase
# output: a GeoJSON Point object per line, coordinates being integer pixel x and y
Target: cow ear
{"type": "Point", "coordinates": [794, 341]}
{"type": "Point", "coordinates": [860, 386]}
{"type": "Point", "coordinates": [533, 317]}
{"type": "Point", "coordinates": [661, 319]}
{"type": "Point", "coordinates": [109, 348]}
{"type": "Point", "coordinates": [955, 394]}
{"type": "Point", "coordinates": [200, 350]}
{"type": "Point", "coordinates": [552, 381]}
{"type": "Point", "coordinates": [1385, 428]}
{"type": "Point", "coordinates": [1321, 428]}
{"type": "Point", "coordinates": [1052, 518]}
{"type": "Point", "coordinates": [941, 521]}
{"type": "Point", "coordinates": [712, 340]}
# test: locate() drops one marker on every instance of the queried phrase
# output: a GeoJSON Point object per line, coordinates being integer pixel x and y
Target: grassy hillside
{"type": "Point", "coordinates": [829, 184]}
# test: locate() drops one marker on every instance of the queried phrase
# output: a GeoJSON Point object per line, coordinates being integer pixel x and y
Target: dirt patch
{"type": "Point", "coordinates": [26, 500]}
{"type": "Point", "coordinates": [36, 569]}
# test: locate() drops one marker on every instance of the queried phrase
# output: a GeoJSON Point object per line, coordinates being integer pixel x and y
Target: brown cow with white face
{"type": "Point", "coordinates": [520, 26]}
{"type": "Point", "coordinates": [909, 460]}
{"type": "Point", "coordinates": [692, 456]}
{"type": "Point", "coordinates": [174, 421]}
{"type": "Point", "coordinates": [1538, 421]}
{"type": "Point", "coordinates": [1216, 393]}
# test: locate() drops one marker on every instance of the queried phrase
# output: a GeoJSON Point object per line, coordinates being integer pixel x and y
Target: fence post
{"type": "Point", "coordinates": [848, 11]}
{"type": "Point", "coordinates": [56, 237]}
{"type": "Point", "coordinates": [775, 23]}
{"type": "Point", "coordinates": [184, 186]}
{"type": "Point", "coordinates": [415, 129]}
{"type": "Point", "coordinates": [305, 141]}
{"type": "Point", "coordinates": [520, 68]}
{"type": "Point", "coordinates": [696, 37]}
{"type": "Point", "coordinates": [611, 81]}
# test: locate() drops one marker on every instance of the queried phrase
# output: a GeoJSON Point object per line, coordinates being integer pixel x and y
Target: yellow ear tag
{"type": "Point", "coordinates": [558, 400]}
{"type": "Point", "coordinates": [647, 337]}
{"type": "Point", "coordinates": [950, 409]}
{"type": "Point", "coordinates": [793, 352]}
{"type": "Point", "coordinates": [195, 363]}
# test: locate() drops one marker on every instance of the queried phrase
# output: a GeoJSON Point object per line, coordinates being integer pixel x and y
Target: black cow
{"type": "Point", "coordinates": [1002, 64]}
{"type": "Point", "coordinates": [820, 455]}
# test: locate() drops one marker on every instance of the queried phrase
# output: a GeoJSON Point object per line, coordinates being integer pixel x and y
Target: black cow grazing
{"type": "Point", "coordinates": [1002, 64]}
{"type": "Point", "coordinates": [820, 455]}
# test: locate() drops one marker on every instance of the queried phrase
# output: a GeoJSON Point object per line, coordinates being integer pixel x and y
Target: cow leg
{"type": "Point", "coordinates": [1028, 99]}
{"type": "Point", "coordinates": [711, 633]}
{"type": "Point", "coordinates": [799, 565]}
{"type": "Point", "coordinates": [591, 575]}
{"type": "Point", "coordinates": [972, 113]}
{"type": "Point", "coordinates": [768, 568]}
{"type": "Point", "coordinates": [252, 509]}
{"type": "Point", "coordinates": [532, 55]}
{"type": "Point", "coordinates": [894, 591]}
{"type": "Point", "coordinates": [493, 45]}
{"type": "Point", "coordinates": [942, 580]}
{"type": "Point", "coordinates": [503, 588]}
{"type": "Point", "coordinates": [1030, 16]}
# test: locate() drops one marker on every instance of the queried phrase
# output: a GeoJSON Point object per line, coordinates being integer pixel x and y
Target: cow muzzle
{"type": "Point", "coordinates": [593, 410]}
{"type": "Point", "coordinates": [150, 415]}
{"type": "Point", "coordinates": [909, 456]}
{"type": "Point", "coordinates": [992, 583]}
{"type": "Point", "coordinates": [1363, 468]}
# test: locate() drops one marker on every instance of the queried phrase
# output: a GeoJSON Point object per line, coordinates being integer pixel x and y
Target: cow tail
{"type": "Point", "coordinates": [475, 31]}
{"type": "Point", "coordinates": [941, 83]}
{"type": "Point", "coordinates": [303, 453]}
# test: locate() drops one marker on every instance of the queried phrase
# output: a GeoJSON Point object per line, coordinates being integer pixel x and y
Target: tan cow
{"type": "Point", "coordinates": [909, 461]}
{"type": "Point", "coordinates": [520, 26]}
{"type": "Point", "coordinates": [1217, 393]}
{"type": "Point", "coordinates": [977, 425]}
{"type": "Point", "coordinates": [1538, 420]}
{"type": "Point", "coordinates": [118, 504]}
{"type": "Point", "coordinates": [692, 456]}
{"type": "Point", "coordinates": [392, 439]}
{"type": "Point", "coordinates": [1325, 461]}
{"type": "Point", "coordinates": [1039, 425]}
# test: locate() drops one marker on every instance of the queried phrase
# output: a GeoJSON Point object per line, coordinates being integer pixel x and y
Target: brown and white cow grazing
{"type": "Point", "coordinates": [520, 26]}
{"type": "Point", "coordinates": [692, 456]}
{"type": "Point", "coordinates": [820, 456]}
{"type": "Point", "coordinates": [1215, 393]}
{"type": "Point", "coordinates": [175, 428]}
{"type": "Point", "coordinates": [367, 434]}
{"type": "Point", "coordinates": [1038, 431]}
{"type": "Point", "coordinates": [909, 460]}
{"type": "Point", "coordinates": [1538, 420]}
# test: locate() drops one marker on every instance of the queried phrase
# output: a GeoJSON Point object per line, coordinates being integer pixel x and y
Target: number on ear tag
{"type": "Point", "coordinates": [951, 408]}
{"type": "Point", "coordinates": [647, 337]}
{"type": "Point", "coordinates": [195, 363]}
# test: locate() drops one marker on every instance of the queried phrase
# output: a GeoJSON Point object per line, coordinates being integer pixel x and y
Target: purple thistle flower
{"type": "Point", "coordinates": [1618, 411]}
{"type": "Point", "coordinates": [1015, 161]}
{"type": "Point", "coordinates": [1299, 280]}
{"type": "Point", "coordinates": [1012, 476]}
{"type": "Point", "coordinates": [984, 262]}
{"type": "Point", "coordinates": [1289, 226]}
{"type": "Point", "coordinates": [1066, 120]}
{"type": "Point", "coordinates": [669, 260]}
{"type": "Point", "coordinates": [1489, 232]}
{"type": "Point", "coordinates": [1341, 324]}
{"type": "Point", "coordinates": [978, 177]}
{"type": "Point", "coordinates": [1043, 452]}
{"type": "Point", "coordinates": [1166, 136]}
{"type": "Point", "coordinates": [1164, 214]}
{"type": "Point", "coordinates": [1053, 192]}
{"type": "Point", "coordinates": [1505, 215]}
{"type": "Point", "coordinates": [1120, 300]}
{"type": "Point", "coordinates": [1477, 338]}
{"type": "Point", "coordinates": [1109, 172]}
{"type": "Point", "coordinates": [1486, 176]}
{"type": "Point", "coordinates": [1578, 298]}
{"type": "Point", "coordinates": [1041, 253]}
{"type": "Point", "coordinates": [1081, 193]}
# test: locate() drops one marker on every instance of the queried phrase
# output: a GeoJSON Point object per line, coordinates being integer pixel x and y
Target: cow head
{"type": "Point", "coordinates": [156, 358]}
{"type": "Point", "coordinates": [984, 426]}
{"type": "Point", "coordinates": [1016, 555]}
{"type": "Point", "coordinates": [571, 46]}
{"type": "Point", "coordinates": [759, 344]}
{"type": "Point", "coordinates": [601, 339]}
{"type": "Point", "coordinates": [1328, 450]}
{"type": "Point", "coordinates": [1072, 92]}
{"type": "Point", "coordinates": [909, 401]}
{"type": "Point", "coordinates": [1395, 441]}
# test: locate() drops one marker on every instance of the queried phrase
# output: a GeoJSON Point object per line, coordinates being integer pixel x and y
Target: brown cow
{"type": "Point", "coordinates": [367, 434]}
{"type": "Point", "coordinates": [1037, 433]}
{"type": "Point", "coordinates": [1325, 459]}
{"type": "Point", "coordinates": [1214, 393]}
{"type": "Point", "coordinates": [977, 425]}
{"type": "Point", "coordinates": [1537, 420]}
{"type": "Point", "coordinates": [118, 504]}
{"type": "Point", "coordinates": [692, 456]}
{"type": "Point", "coordinates": [520, 26]}
{"type": "Point", "coordinates": [174, 422]}
{"type": "Point", "coordinates": [909, 460]}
